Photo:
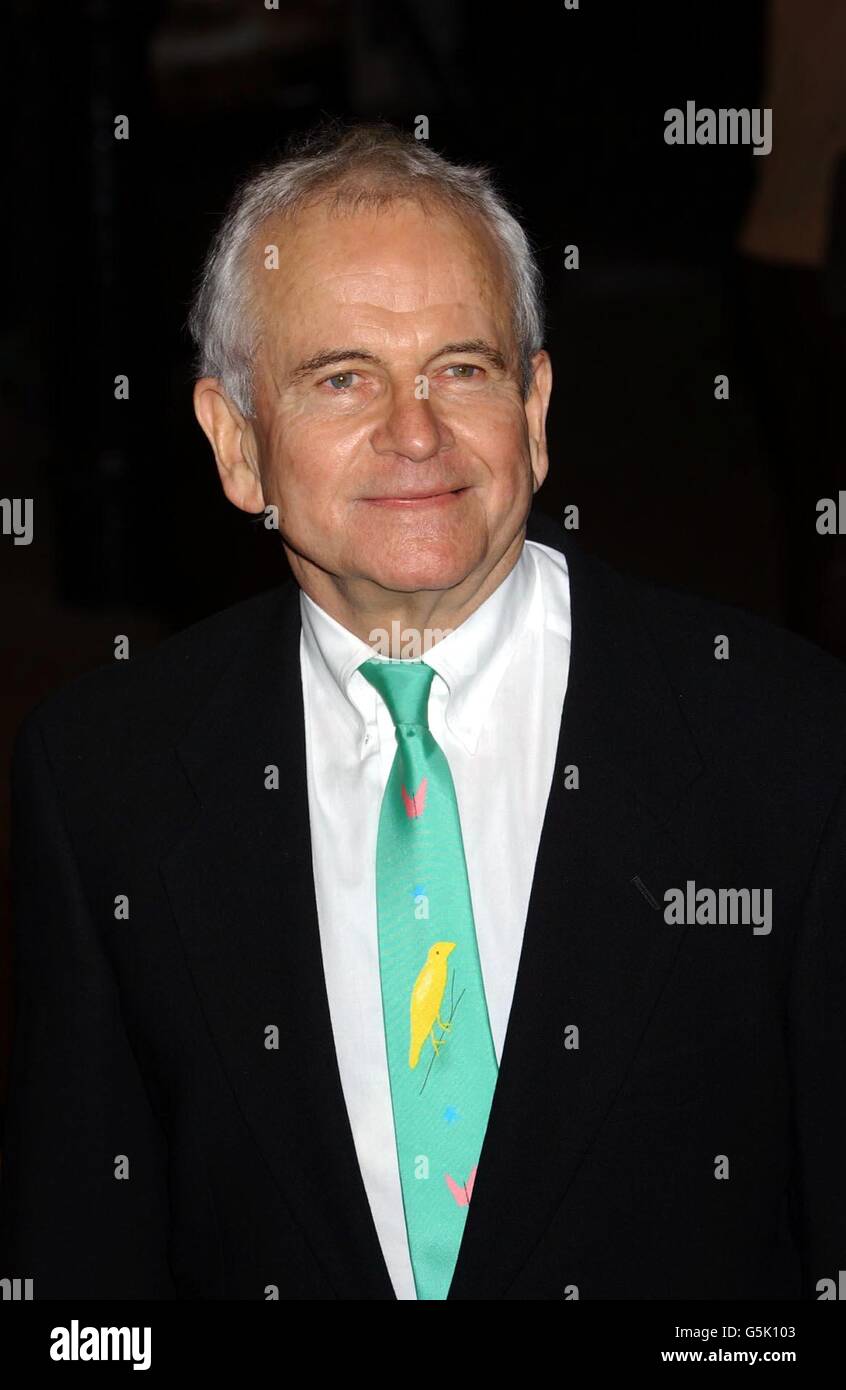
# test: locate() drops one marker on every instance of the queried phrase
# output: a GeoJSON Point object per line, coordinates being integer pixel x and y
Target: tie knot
{"type": "Point", "coordinates": [404, 686]}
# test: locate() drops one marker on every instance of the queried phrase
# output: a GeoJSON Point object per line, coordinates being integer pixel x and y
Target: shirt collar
{"type": "Point", "coordinates": [471, 659]}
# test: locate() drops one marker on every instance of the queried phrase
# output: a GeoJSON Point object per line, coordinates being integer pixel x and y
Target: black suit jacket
{"type": "Point", "coordinates": [145, 1037]}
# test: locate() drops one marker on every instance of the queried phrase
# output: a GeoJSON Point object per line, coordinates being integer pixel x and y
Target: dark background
{"type": "Point", "coordinates": [102, 240]}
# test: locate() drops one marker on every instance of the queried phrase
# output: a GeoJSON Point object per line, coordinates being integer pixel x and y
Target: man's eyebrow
{"type": "Point", "coordinates": [477, 346]}
{"type": "Point", "coordinates": [328, 358]}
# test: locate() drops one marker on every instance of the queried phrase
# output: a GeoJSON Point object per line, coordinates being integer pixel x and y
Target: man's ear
{"type": "Point", "coordinates": [233, 443]}
{"type": "Point", "coordinates": [537, 404]}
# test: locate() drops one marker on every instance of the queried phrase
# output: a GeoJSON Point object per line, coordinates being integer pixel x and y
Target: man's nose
{"type": "Point", "coordinates": [410, 427]}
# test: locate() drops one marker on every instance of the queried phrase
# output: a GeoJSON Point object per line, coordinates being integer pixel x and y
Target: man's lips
{"type": "Point", "coordinates": [417, 499]}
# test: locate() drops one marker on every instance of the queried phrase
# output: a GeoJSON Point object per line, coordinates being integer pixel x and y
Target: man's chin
{"type": "Point", "coordinates": [417, 559]}
{"type": "Point", "coordinates": [412, 579]}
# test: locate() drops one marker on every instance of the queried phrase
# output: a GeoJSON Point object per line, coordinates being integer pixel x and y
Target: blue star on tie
{"type": "Point", "coordinates": [451, 1115]}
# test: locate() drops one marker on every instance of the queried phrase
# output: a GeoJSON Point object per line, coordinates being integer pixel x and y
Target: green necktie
{"type": "Point", "coordinates": [441, 1058]}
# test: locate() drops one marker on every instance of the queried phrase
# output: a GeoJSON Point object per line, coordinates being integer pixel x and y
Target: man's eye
{"type": "Point", "coordinates": [343, 378]}
{"type": "Point", "coordinates": [464, 367]}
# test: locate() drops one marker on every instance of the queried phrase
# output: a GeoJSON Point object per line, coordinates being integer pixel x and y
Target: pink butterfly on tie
{"type": "Point", "coordinates": [415, 804]}
{"type": "Point", "coordinates": [461, 1194]}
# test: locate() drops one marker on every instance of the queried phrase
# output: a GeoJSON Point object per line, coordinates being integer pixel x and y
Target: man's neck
{"type": "Point", "coordinates": [394, 623]}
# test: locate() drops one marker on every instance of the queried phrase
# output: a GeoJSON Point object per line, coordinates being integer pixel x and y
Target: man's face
{"type": "Point", "coordinates": [402, 411]}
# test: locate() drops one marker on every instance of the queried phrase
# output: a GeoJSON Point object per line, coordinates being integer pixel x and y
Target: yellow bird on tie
{"type": "Point", "coordinates": [426, 999]}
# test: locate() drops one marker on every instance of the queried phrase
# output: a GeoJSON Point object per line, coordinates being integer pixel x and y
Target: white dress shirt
{"type": "Point", "coordinates": [495, 709]}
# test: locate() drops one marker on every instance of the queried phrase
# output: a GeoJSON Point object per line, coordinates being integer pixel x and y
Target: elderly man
{"type": "Point", "coordinates": [391, 935]}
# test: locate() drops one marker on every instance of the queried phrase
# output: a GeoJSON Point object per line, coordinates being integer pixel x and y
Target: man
{"type": "Point", "coordinates": [463, 919]}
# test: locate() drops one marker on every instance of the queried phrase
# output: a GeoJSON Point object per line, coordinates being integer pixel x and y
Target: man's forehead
{"type": "Point", "coordinates": [401, 257]}
{"type": "Point", "coordinates": [394, 282]}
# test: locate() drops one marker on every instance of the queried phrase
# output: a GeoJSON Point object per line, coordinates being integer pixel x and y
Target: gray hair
{"type": "Point", "coordinates": [368, 164]}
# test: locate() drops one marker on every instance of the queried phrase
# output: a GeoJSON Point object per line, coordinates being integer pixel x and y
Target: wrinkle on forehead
{"type": "Point", "coordinates": [388, 291]}
{"type": "Point", "coordinates": [478, 251]}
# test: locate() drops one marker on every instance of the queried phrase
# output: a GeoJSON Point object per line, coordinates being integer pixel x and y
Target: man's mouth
{"type": "Point", "coordinates": [417, 499]}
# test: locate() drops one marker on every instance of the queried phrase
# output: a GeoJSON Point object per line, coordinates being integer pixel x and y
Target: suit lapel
{"type": "Point", "coordinates": [595, 952]}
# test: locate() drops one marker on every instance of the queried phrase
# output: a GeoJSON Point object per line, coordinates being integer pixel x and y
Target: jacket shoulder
{"type": "Point", "coordinates": [686, 630]}
{"type": "Point", "coordinates": [683, 621]}
{"type": "Point", "coordinates": [743, 675]}
{"type": "Point", "coordinates": [157, 691]}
